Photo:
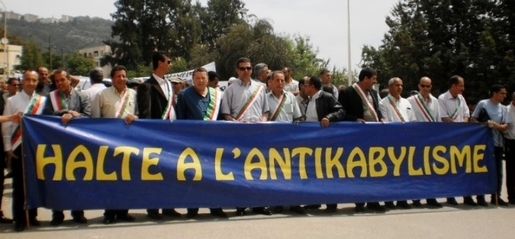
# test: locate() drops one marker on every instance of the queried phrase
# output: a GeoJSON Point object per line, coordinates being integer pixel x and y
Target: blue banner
{"type": "Point", "coordinates": [105, 163]}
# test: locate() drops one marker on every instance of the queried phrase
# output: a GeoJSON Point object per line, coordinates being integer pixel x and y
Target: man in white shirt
{"type": "Point", "coordinates": [453, 108]}
{"type": "Point", "coordinates": [290, 85]}
{"type": "Point", "coordinates": [283, 105]}
{"type": "Point", "coordinates": [96, 76]}
{"type": "Point", "coordinates": [425, 107]}
{"type": "Point", "coordinates": [394, 108]}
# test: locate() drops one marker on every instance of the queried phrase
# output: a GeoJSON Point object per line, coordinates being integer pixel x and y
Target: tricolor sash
{"type": "Point", "coordinates": [120, 112]}
{"type": "Point", "coordinates": [58, 100]}
{"type": "Point", "coordinates": [214, 104]}
{"type": "Point", "coordinates": [249, 102]}
{"type": "Point", "coordinates": [363, 97]}
{"type": "Point", "coordinates": [423, 107]}
{"type": "Point", "coordinates": [35, 107]}
{"type": "Point", "coordinates": [279, 107]}
{"type": "Point", "coordinates": [454, 115]}
{"type": "Point", "coordinates": [395, 108]}
{"type": "Point", "coordinates": [168, 113]}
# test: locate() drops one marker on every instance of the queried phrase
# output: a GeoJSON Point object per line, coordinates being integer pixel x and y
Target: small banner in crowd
{"type": "Point", "coordinates": [105, 163]}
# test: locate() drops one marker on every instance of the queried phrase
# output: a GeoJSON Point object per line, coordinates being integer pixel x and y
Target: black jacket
{"type": "Point", "coordinates": [328, 106]}
{"type": "Point", "coordinates": [353, 105]}
{"type": "Point", "coordinates": [152, 101]}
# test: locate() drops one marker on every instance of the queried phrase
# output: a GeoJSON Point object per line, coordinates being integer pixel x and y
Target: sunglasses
{"type": "Point", "coordinates": [169, 62]}
{"type": "Point", "coordinates": [248, 68]}
{"type": "Point", "coordinates": [425, 86]}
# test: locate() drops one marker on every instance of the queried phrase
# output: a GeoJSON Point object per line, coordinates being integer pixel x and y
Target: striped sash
{"type": "Point", "coordinates": [58, 100]}
{"type": "Point", "coordinates": [279, 107]}
{"type": "Point", "coordinates": [367, 104]}
{"type": "Point", "coordinates": [249, 102]}
{"type": "Point", "coordinates": [395, 108]}
{"type": "Point", "coordinates": [35, 107]}
{"type": "Point", "coordinates": [120, 112]}
{"type": "Point", "coordinates": [214, 104]}
{"type": "Point", "coordinates": [423, 107]}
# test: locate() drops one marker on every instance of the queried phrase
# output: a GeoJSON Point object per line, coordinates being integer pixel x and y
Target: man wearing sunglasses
{"type": "Point", "coordinates": [425, 107]}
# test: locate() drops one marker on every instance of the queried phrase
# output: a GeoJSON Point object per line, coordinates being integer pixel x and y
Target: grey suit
{"type": "Point", "coordinates": [78, 101]}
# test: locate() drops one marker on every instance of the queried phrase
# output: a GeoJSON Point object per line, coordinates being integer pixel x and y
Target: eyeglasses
{"type": "Point", "coordinates": [425, 86]}
{"type": "Point", "coordinates": [248, 68]}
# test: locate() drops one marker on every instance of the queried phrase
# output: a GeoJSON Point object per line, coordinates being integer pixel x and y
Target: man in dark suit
{"type": "Point", "coordinates": [361, 103]}
{"type": "Point", "coordinates": [68, 104]}
{"type": "Point", "coordinates": [156, 101]}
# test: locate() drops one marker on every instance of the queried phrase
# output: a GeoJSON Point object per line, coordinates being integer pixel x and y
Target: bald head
{"type": "Point", "coordinates": [425, 86]}
{"type": "Point", "coordinates": [395, 87]}
{"type": "Point", "coordinates": [29, 81]}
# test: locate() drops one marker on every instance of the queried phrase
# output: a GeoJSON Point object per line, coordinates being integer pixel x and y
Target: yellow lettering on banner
{"type": "Point", "coordinates": [361, 162]}
{"type": "Point", "coordinates": [42, 161]}
{"type": "Point", "coordinates": [397, 161]}
{"type": "Point", "coordinates": [318, 163]}
{"type": "Point", "coordinates": [101, 174]}
{"type": "Point", "coordinates": [284, 163]}
{"type": "Point", "coordinates": [376, 157]}
{"type": "Point", "coordinates": [182, 166]}
{"type": "Point", "coordinates": [331, 162]}
{"type": "Point", "coordinates": [427, 165]}
{"type": "Point", "coordinates": [412, 171]}
{"type": "Point", "coordinates": [220, 176]}
{"type": "Point", "coordinates": [86, 163]}
{"type": "Point", "coordinates": [147, 162]}
{"type": "Point", "coordinates": [463, 158]}
{"type": "Point", "coordinates": [126, 151]}
{"type": "Point", "coordinates": [445, 164]}
{"type": "Point", "coordinates": [479, 155]}
{"type": "Point", "coordinates": [302, 152]}
{"type": "Point", "coordinates": [260, 164]}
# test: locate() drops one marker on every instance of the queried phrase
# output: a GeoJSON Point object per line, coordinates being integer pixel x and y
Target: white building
{"type": "Point", "coordinates": [11, 59]}
{"type": "Point", "coordinates": [49, 20]}
{"type": "Point", "coordinates": [30, 17]}
{"type": "Point", "coordinates": [98, 52]}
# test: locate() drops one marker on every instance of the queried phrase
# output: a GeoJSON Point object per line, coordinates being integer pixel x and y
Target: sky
{"type": "Point", "coordinates": [323, 21]}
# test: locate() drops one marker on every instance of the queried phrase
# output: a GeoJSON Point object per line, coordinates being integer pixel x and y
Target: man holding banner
{"type": "Point", "coordinates": [67, 103]}
{"type": "Point", "coordinates": [245, 101]}
{"type": "Point", "coordinates": [156, 101]}
{"type": "Point", "coordinates": [283, 105]}
{"type": "Point", "coordinates": [116, 101]}
{"type": "Point", "coordinates": [200, 102]}
{"type": "Point", "coordinates": [28, 102]}
{"type": "Point", "coordinates": [425, 108]}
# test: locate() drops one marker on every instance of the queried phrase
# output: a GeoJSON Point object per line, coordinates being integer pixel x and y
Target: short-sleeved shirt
{"type": "Point", "coordinates": [238, 94]}
{"type": "Point", "coordinates": [292, 86]}
{"type": "Point", "coordinates": [497, 113]}
{"type": "Point", "coordinates": [288, 111]}
{"type": "Point", "coordinates": [390, 109]}
{"type": "Point", "coordinates": [454, 108]}
{"type": "Point", "coordinates": [425, 112]}
{"type": "Point", "coordinates": [108, 101]}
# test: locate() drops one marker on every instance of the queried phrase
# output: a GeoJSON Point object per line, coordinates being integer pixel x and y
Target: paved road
{"type": "Point", "coordinates": [452, 222]}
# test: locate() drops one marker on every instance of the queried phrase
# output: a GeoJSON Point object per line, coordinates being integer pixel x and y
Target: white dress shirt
{"type": "Point", "coordinates": [425, 112]}
{"type": "Point", "coordinates": [388, 106]}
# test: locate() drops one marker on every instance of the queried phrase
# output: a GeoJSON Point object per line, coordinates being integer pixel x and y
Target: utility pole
{"type": "Point", "coordinates": [349, 48]}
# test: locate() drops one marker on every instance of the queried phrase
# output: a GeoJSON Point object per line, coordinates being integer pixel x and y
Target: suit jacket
{"type": "Point", "coordinates": [328, 106]}
{"type": "Point", "coordinates": [151, 99]}
{"type": "Point", "coordinates": [353, 104]}
{"type": "Point", "coordinates": [79, 102]}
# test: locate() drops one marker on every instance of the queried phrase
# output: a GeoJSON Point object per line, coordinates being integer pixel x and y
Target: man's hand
{"type": "Point", "coordinates": [16, 117]}
{"type": "Point", "coordinates": [130, 118]}
{"type": "Point", "coordinates": [74, 113]}
{"type": "Point", "coordinates": [361, 120]}
{"type": "Point", "coordinates": [66, 118]}
{"type": "Point", "coordinates": [324, 122]}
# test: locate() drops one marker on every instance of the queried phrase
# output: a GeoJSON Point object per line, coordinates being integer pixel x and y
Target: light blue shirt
{"type": "Point", "coordinates": [498, 113]}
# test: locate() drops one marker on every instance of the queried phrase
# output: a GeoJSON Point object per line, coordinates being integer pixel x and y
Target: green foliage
{"type": "Point", "coordinates": [77, 64]}
{"type": "Point", "coordinates": [31, 57]}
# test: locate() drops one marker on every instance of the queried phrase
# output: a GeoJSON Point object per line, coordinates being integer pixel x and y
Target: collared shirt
{"type": "Point", "coordinates": [367, 111]}
{"type": "Point", "coordinates": [510, 133]}
{"type": "Point", "coordinates": [289, 110]}
{"type": "Point", "coordinates": [93, 91]}
{"type": "Point", "coordinates": [107, 103]}
{"type": "Point", "coordinates": [425, 112]}
{"type": "Point", "coordinates": [17, 103]}
{"type": "Point", "coordinates": [447, 105]}
{"type": "Point", "coordinates": [497, 113]}
{"type": "Point", "coordinates": [238, 93]}
{"type": "Point", "coordinates": [292, 86]}
{"type": "Point", "coordinates": [388, 106]}
{"type": "Point", "coordinates": [165, 86]}
{"type": "Point", "coordinates": [311, 109]}
{"type": "Point", "coordinates": [302, 103]}
{"type": "Point", "coordinates": [192, 105]}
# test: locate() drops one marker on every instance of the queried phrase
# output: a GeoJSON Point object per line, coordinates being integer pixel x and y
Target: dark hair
{"type": "Point", "coordinates": [367, 72]}
{"type": "Point", "coordinates": [157, 57]}
{"type": "Point", "coordinates": [213, 75]}
{"type": "Point", "coordinates": [242, 59]}
{"type": "Point", "coordinates": [323, 71]}
{"type": "Point", "coordinates": [200, 69]}
{"type": "Point", "coordinates": [301, 82]}
{"type": "Point", "coordinates": [496, 88]}
{"type": "Point", "coordinates": [10, 80]}
{"type": "Point", "coordinates": [455, 79]}
{"type": "Point", "coordinates": [272, 75]}
{"type": "Point", "coordinates": [316, 82]}
{"type": "Point", "coordinates": [96, 75]}
{"type": "Point", "coordinates": [328, 89]}
{"type": "Point", "coordinates": [117, 68]}
{"type": "Point", "coordinates": [59, 71]}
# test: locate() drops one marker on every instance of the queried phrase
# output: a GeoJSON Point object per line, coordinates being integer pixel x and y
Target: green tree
{"type": "Point", "coordinates": [31, 57]}
{"type": "Point", "coordinates": [77, 64]}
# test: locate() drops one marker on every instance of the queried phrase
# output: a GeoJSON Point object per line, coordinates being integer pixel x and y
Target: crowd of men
{"type": "Point", "coordinates": [270, 96]}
